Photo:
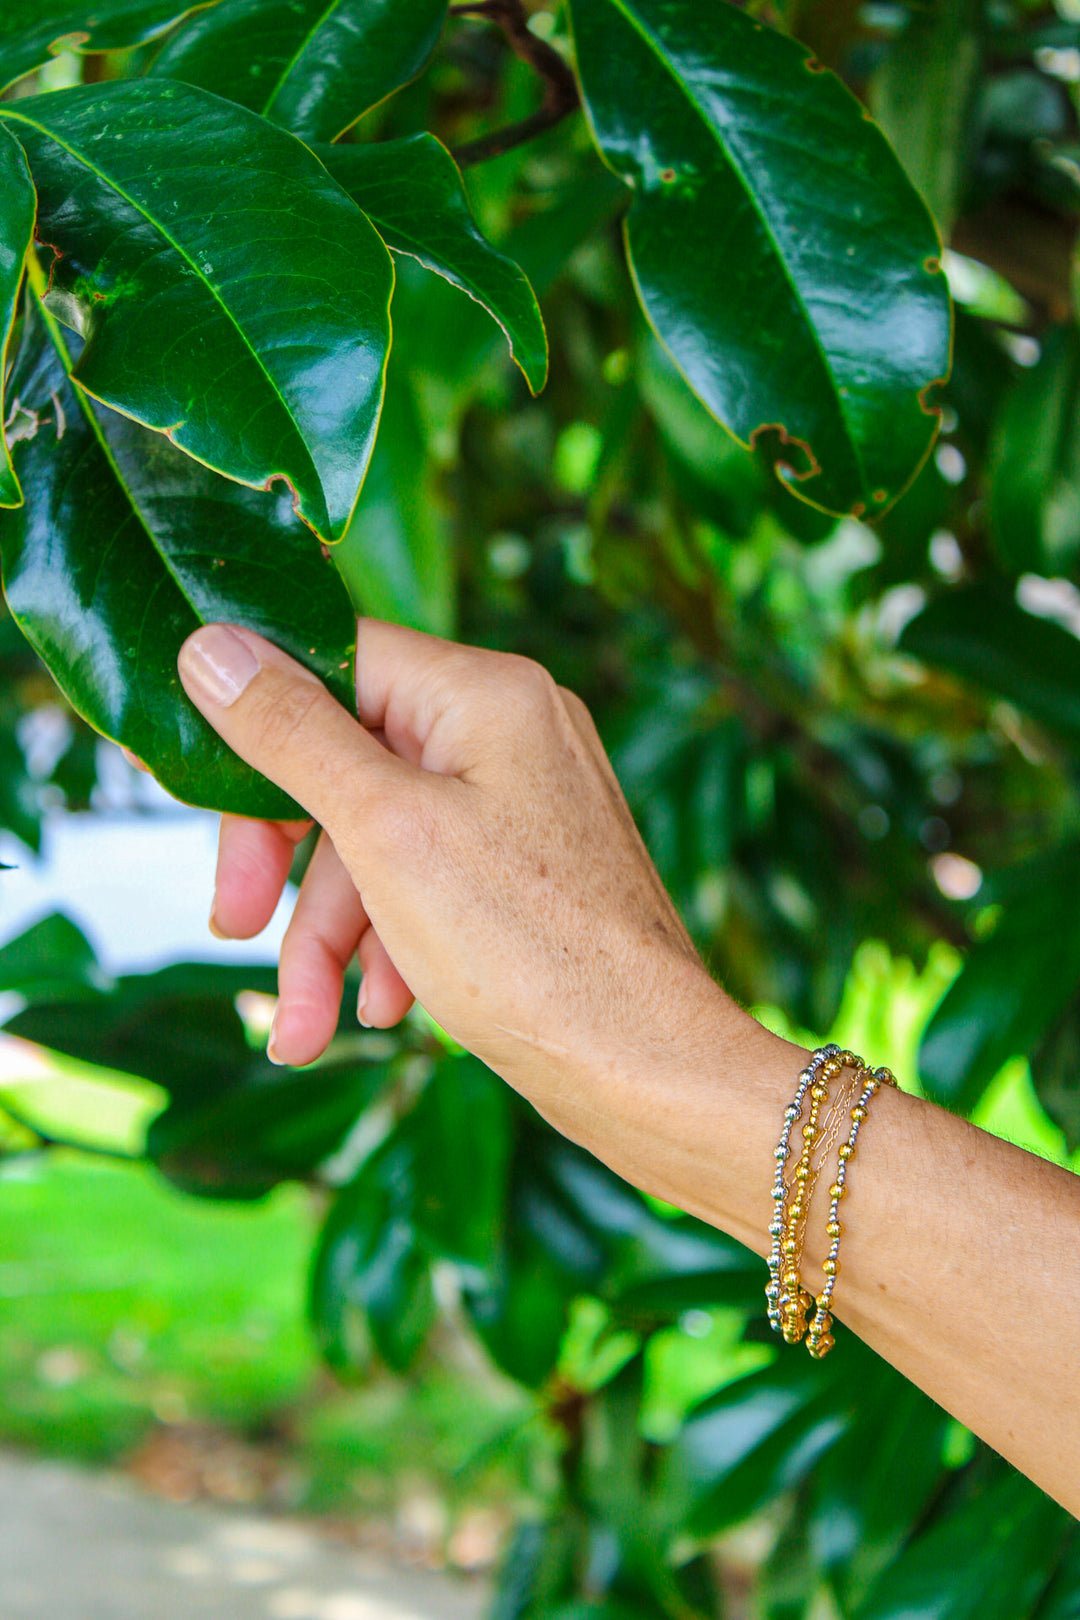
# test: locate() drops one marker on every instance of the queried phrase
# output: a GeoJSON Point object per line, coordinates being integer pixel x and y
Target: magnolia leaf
{"type": "Point", "coordinates": [412, 192]}
{"type": "Point", "coordinates": [259, 349]}
{"type": "Point", "coordinates": [125, 547]}
{"type": "Point", "coordinates": [310, 66]}
{"type": "Point", "coordinates": [33, 30]}
{"type": "Point", "coordinates": [779, 250]}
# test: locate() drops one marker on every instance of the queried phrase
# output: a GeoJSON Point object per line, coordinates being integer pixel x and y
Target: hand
{"type": "Point", "coordinates": [477, 853]}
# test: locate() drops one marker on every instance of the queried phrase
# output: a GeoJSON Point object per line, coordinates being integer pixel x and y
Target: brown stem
{"type": "Point", "coordinates": [560, 86]}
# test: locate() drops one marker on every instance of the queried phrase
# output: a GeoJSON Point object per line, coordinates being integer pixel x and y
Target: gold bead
{"type": "Point", "coordinates": [846, 1151]}
{"type": "Point", "coordinates": [830, 1268]}
{"type": "Point", "coordinates": [821, 1347]}
{"type": "Point", "coordinates": [836, 1191]}
{"type": "Point", "coordinates": [809, 1132]}
{"type": "Point", "coordinates": [834, 1229]}
{"type": "Point", "coordinates": [791, 1247]}
{"type": "Point", "coordinates": [858, 1113]}
{"type": "Point", "coordinates": [802, 1172]}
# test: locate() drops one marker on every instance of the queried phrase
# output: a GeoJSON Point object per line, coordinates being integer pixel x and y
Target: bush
{"type": "Point", "coordinates": [835, 661]}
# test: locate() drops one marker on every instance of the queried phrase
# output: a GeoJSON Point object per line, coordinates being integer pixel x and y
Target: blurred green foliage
{"type": "Point", "coordinates": [831, 733]}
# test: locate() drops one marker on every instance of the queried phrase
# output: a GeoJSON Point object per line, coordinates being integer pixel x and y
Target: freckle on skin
{"type": "Point", "coordinates": [541, 870]}
{"type": "Point", "coordinates": [472, 989]}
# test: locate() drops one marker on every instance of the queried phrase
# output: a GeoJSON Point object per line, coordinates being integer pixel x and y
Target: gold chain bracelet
{"type": "Point", "coordinates": [789, 1303]}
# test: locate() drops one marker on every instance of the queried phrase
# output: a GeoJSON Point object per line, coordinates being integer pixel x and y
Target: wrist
{"type": "Point", "coordinates": [690, 1109]}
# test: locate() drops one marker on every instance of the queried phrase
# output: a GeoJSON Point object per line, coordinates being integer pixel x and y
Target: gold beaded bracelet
{"type": "Point", "coordinates": [788, 1301]}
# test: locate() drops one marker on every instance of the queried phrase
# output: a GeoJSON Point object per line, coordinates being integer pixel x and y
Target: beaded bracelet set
{"type": "Point", "coordinates": [789, 1302]}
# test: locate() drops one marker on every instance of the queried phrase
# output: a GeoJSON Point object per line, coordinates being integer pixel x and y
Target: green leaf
{"type": "Point", "coordinates": [178, 1027]}
{"type": "Point", "coordinates": [51, 960]}
{"type": "Point", "coordinates": [460, 1131]}
{"type": "Point", "coordinates": [172, 212]}
{"type": "Point", "coordinates": [269, 1126]}
{"type": "Point", "coordinates": [877, 1482]}
{"type": "Point", "coordinates": [412, 192]}
{"type": "Point", "coordinates": [124, 548]}
{"type": "Point", "coordinates": [308, 65]}
{"type": "Point", "coordinates": [979, 632]}
{"type": "Point", "coordinates": [17, 209]}
{"type": "Point", "coordinates": [990, 1559]}
{"type": "Point", "coordinates": [396, 557]}
{"type": "Point", "coordinates": [20, 807]}
{"type": "Point", "coordinates": [758, 1436]}
{"type": "Point", "coordinates": [820, 323]}
{"type": "Point", "coordinates": [1035, 462]}
{"type": "Point", "coordinates": [33, 30]}
{"type": "Point", "coordinates": [369, 1273]}
{"type": "Point", "coordinates": [1011, 988]}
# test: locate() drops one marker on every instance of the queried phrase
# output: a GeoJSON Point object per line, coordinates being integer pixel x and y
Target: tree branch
{"type": "Point", "coordinates": [560, 87]}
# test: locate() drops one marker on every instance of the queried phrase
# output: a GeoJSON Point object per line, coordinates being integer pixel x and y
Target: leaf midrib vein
{"type": "Point", "coordinates": [301, 48]}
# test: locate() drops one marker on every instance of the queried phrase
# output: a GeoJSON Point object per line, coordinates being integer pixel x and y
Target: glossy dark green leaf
{"type": "Point", "coordinates": [980, 633]}
{"type": "Point", "coordinates": [309, 65]}
{"type": "Point", "coordinates": [521, 1310]}
{"type": "Point", "coordinates": [876, 1482]}
{"type": "Point", "coordinates": [396, 558]}
{"type": "Point", "coordinates": [124, 548]}
{"type": "Point", "coordinates": [52, 959]}
{"type": "Point", "coordinates": [990, 1559]}
{"type": "Point", "coordinates": [17, 209]}
{"type": "Point", "coordinates": [20, 808]}
{"type": "Point", "coordinates": [258, 349]}
{"type": "Point", "coordinates": [460, 1131]}
{"type": "Point", "coordinates": [177, 1027]}
{"type": "Point", "coordinates": [1035, 462]}
{"type": "Point", "coordinates": [1011, 988]}
{"type": "Point", "coordinates": [819, 325]}
{"type": "Point", "coordinates": [33, 30]}
{"type": "Point", "coordinates": [412, 192]}
{"type": "Point", "coordinates": [652, 1259]}
{"type": "Point", "coordinates": [758, 1436]}
{"type": "Point", "coordinates": [369, 1276]}
{"type": "Point", "coordinates": [269, 1125]}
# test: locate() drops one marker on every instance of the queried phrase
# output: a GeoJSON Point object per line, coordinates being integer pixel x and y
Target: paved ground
{"type": "Point", "coordinates": [77, 1546]}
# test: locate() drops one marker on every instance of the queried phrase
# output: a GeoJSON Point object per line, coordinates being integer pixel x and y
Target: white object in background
{"type": "Point", "coordinates": [139, 887]}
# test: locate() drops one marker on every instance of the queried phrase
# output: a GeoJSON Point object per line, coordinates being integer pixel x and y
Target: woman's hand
{"type": "Point", "coordinates": [477, 853]}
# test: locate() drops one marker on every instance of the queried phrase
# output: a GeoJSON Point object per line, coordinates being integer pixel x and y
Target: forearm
{"type": "Point", "coordinates": [938, 1268]}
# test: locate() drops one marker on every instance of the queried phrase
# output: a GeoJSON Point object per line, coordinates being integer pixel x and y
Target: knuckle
{"type": "Point", "coordinates": [531, 683]}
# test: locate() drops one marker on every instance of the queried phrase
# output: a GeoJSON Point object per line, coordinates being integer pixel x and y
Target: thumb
{"type": "Point", "coordinates": [280, 718]}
